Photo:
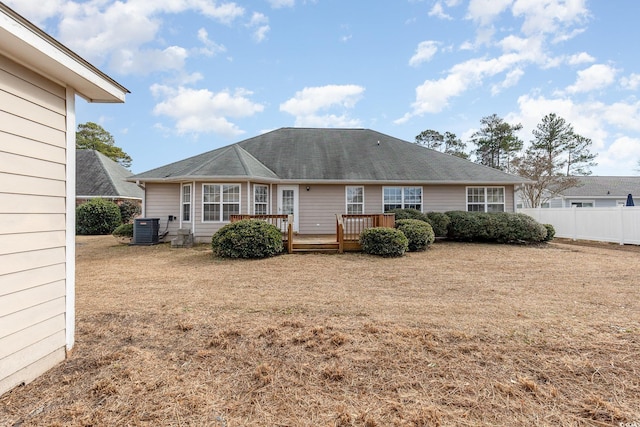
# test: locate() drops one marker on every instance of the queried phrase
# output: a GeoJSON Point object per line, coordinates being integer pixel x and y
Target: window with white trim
{"type": "Point", "coordinates": [219, 201]}
{"type": "Point", "coordinates": [401, 198]}
{"type": "Point", "coordinates": [582, 204]}
{"type": "Point", "coordinates": [485, 199]}
{"type": "Point", "coordinates": [186, 202]}
{"type": "Point", "coordinates": [260, 199]}
{"type": "Point", "coordinates": [355, 199]}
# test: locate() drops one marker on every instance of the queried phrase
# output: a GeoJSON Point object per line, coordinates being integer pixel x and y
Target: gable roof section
{"type": "Point", "coordinates": [28, 45]}
{"type": "Point", "coordinates": [329, 155]}
{"type": "Point", "coordinates": [604, 186]}
{"type": "Point", "coordinates": [99, 176]}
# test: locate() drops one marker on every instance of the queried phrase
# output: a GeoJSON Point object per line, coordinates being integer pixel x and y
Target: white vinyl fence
{"type": "Point", "coordinates": [619, 225]}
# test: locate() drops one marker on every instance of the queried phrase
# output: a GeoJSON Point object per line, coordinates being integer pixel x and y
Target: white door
{"type": "Point", "coordinates": [288, 202]}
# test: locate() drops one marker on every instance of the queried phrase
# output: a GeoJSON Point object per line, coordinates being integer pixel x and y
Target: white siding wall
{"type": "Point", "coordinates": [32, 224]}
{"type": "Point", "coordinates": [162, 200]}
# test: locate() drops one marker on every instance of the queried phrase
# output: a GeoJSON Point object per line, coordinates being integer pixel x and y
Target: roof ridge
{"type": "Point", "coordinates": [100, 157]}
{"type": "Point", "coordinates": [241, 152]}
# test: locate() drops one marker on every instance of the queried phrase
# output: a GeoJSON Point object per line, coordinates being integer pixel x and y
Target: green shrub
{"type": "Point", "coordinates": [123, 230]}
{"type": "Point", "coordinates": [500, 227]}
{"type": "Point", "coordinates": [439, 222]}
{"type": "Point", "coordinates": [129, 210]}
{"type": "Point", "coordinates": [551, 232]}
{"type": "Point", "coordinates": [97, 217]}
{"type": "Point", "coordinates": [384, 241]}
{"type": "Point", "coordinates": [408, 213]}
{"type": "Point", "coordinates": [248, 238]}
{"type": "Point", "coordinates": [419, 233]}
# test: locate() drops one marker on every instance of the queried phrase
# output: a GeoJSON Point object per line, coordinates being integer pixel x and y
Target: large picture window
{"type": "Point", "coordinates": [219, 201]}
{"type": "Point", "coordinates": [485, 199]}
{"type": "Point", "coordinates": [402, 198]}
{"type": "Point", "coordinates": [260, 199]}
{"type": "Point", "coordinates": [186, 202]}
{"type": "Point", "coordinates": [355, 200]}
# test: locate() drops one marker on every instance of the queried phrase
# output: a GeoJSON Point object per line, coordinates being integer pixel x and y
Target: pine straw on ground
{"type": "Point", "coordinates": [459, 335]}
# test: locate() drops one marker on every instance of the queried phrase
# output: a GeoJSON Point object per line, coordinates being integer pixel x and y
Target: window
{"type": "Point", "coordinates": [219, 201]}
{"type": "Point", "coordinates": [186, 202]}
{"type": "Point", "coordinates": [402, 198]}
{"type": "Point", "coordinates": [355, 200]}
{"type": "Point", "coordinates": [485, 199]}
{"type": "Point", "coordinates": [260, 199]}
{"type": "Point", "coordinates": [582, 204]}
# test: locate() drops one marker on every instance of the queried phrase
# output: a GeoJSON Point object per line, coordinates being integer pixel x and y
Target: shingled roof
{"type": "Point", "coordinates": [99, 176]}
{"type": "Point", "coordinates": [604, 186]}
{"type": "Point", "coordinates": [328, 155]}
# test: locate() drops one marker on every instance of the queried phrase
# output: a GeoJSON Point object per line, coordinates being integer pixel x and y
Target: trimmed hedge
{"type": "Point", "coordinates": [551, 232]}
{"type": "Point", "coordinates": [500, 227]}
{"type": "Point", "coordinates": [439, 222]}
{"type": "Point", "coordinates": [249, 238]}
{"type": "Point", "coordinates": [97, 217]}
{"type": "Point", "coordinates": [408, 213]}
{"type": "Point", "coordinates": [419, 233]}
{"type": "Point", "coordinates": [384, 241]}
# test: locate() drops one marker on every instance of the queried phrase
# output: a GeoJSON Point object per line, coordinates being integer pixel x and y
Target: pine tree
{"type": "Point", "coordinates": [92, 136]}
{"type": "Point", "coordinates": [497, 143]}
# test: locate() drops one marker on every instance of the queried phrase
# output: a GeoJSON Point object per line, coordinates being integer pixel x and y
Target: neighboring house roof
{"type": "Point", "coordinates": [27, 44]}
{"type": "Point", "coordinates": [328, 155]}
{"type": "Point", "coordinates": [604, 186]}
{"type": "Point", "coordinates": [99, 176]}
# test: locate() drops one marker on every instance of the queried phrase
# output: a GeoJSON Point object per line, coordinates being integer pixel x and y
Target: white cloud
{"type": "Point", "coordinates": [277, 4]}
{"type": "Point", "coordinates": [308, 104]}
{"type": "Point", "coordinates": [142, 62]}
{"type": "Point", "coordinates": [424, 52]}
{"type": "Point", "coordinates": [438, 11]}
{"type": "Point", "coordinates": [210, 48]}
{"type": "Point", "coordinates": [580, 58]}
{"type": "Point", "coordinates": [632, 82]}
{"type": "Point", "coordinates": [485, 11]}
{"type": "Point", "coordinates": [512, 78]}
{"type": "Point", "coordinates": [106, 32]}
{"type": "Point", "coordinates": [622, 154]}
{"type": "Point", "coordinates": [598, 76]}
{"type": "Point", "coordinates": [550, 16]}
{"type": "Point", "coordinates": [197, 111]}
{"type": "Point", "coordinates": [260, 25]}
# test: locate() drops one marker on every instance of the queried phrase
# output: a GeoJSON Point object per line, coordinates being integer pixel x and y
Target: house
{"type": "Point", "coordinates": [97, 176]}
{"type": "Point", "coordinates": [39, 81]}
{"type": "Point", "coordinates": [597, 192]}
{"type": "Point", "coordinates": [315, 174]}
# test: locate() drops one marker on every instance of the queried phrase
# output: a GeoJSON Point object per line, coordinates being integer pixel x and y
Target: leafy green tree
{"type": "Point", "coordinates": [497, 143]}
{"type": "Point", "coordinates": [430, 139]}
{"type": "Point", "coordinates": [555, 156]}
{"type": "Point", "coordinates": [448, 143]}
{"type": "Point", "coordinates": [92, 136]}
{"type": "Point", "coordinates": [454, 146]}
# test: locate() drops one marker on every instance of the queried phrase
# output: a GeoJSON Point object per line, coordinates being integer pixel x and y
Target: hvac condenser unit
{"type": "Point", "coordinates": [145, 231]}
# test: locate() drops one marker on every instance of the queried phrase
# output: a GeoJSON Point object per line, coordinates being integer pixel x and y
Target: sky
{"type": "Point", "coordinates": [205, 74]}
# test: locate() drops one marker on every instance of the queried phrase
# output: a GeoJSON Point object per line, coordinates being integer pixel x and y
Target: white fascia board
{"type": "Point", "coordinates": [26, 44]}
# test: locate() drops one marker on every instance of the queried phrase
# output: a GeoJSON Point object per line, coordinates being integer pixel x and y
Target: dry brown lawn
{"type": "Point", "coordinates": [459, 335]}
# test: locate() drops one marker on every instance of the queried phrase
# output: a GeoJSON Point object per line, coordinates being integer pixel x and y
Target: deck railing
{"type": "Point", "coordinates": [283, 222]}
{"type": "Point", "coordinates": [349, 227]}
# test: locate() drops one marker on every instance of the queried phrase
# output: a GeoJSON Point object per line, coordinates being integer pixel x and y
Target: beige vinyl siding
{"type": "Point", "coordinates": [318, 208]}
{"type": "Point", "coordinates": [162, 200]}
{"type": "Point", "coordinates": [204, 230]}
{"type": "Point", "coordinates": [443, 198]}
{"type": "Point", "coordinates": [32, 224]}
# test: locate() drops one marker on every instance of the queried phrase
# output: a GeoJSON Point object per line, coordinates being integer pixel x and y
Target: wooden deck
{"type": "Point", "coordinates": [346, 239]}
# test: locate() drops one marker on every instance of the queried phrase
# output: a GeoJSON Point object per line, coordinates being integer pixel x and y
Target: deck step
{"type": "Point", "coordinates": [315, 247]}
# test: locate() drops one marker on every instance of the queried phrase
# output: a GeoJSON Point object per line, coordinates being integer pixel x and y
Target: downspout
{"type": "Point", "coordinates": [270, 210]}
{"type": "Point", "coordinates": [193, 209]}
{"type": "Point", "coordinates": [70, 223]}
{"type": "Point", "coordinates": [248, 198]}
